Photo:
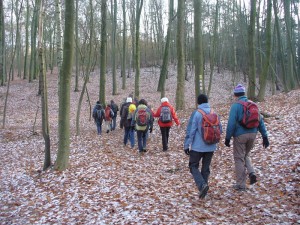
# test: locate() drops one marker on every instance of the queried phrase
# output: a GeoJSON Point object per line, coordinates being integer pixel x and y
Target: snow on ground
{"type": "Point", "coordinates": [107, 183]}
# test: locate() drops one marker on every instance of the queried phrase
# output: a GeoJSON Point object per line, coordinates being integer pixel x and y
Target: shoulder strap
{"type": "Point", "coordinates": [204, 113]}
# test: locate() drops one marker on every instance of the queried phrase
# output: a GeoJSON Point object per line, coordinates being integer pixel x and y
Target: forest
{"type": "Point", "coordinates": [57, 58]}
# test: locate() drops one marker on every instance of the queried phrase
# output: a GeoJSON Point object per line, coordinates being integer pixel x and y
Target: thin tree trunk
{"type": "Point", "coordinates": [113, 45]}
{"type": "Point", "coordinates": [103, 52]}
{"type": "Point", "coordinates": [139, 6]}
{"type": "Point", "coordinates": [77, 50]}
{"type": "Point", "coordinates": [180, 56]}
{"type": "Point", "coordinates": [44, 93]}
{"type": "Point", "coordinates": [2, 43]}
{"type": "Point", "coordinates": [25, 73]}
{"type": "Point", "coordinates": [123, 71]}
{"type": "Point", "coordinates": [251, 49]}
{"type": "Point", "coordinates": [266, 64]}
{"type": "Point", "coordinates": [63, 153]}
{"type": "Point", "coordinates": [164, 69]}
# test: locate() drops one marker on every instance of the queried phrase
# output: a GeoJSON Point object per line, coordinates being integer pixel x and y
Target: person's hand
{"type": "Point", "coordinates": [150, 129]}
{"type": "Point", "coordinates": [187, 151]}
{"type": "Point", "coordinates": [227, 142]}
{"type": "Point", "coordinates": [266, 142]}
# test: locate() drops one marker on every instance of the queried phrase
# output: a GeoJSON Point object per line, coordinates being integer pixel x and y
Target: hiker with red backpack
{"type": "Point", "coordinates": [108, 115]}
{"type": "Point", "coordinates": [243, 124]}
{"type": "Point", "coordinates": [166, 114]}
{"type": "Point", "coordinates": [202, 135]}
{"type": "Point", "coordinates": [143, 121]}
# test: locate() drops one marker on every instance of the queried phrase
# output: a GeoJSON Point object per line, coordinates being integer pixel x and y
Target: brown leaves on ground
{"type": "Point", "coordinates": [108, 183]}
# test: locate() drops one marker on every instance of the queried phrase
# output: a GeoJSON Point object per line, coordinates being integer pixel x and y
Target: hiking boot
{"type": "Point", "coordinates": [252, 177]}
{"type": "Point", "coordinates": [203, 191]}
{"type": "Point", "coordinates": [144, 150]}
{"type": "Point", "coordinates": [107, 131]}
{"type": "Point", "coordinates": [239, 187]}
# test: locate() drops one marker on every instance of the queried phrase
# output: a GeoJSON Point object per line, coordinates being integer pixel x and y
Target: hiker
{"type": "Point", "coordinates": [98, 115]}
{"type": "Point", "coordinates": [196, 146]}
{"type": "Point", "coordinates": [108, 115]}
{"type": "Point", "coordinates": [126, 119]}
{"type": "Point", "coordinates": [115, 109]}
{"type": "Point", "coordinates": [143, 121]}
{"type": "Point", "coordinates": [243, 138]}
{"type": "Point", "coordinates": [166, 114]}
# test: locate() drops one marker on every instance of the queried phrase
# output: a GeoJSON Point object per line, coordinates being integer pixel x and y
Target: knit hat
{"type": "Point", "coordinates": [129, 99]}
{"type": "Point", "coordinates": [239, 90]}
{"type": "Point", "coordinates": [202, 98]}
{"type": "Point", "coordinates": [164, 99]}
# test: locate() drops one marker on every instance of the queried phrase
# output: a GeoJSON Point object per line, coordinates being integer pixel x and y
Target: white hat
{"type": "Point", "coordinates": [129, 99]}
{"type": "Point", "coordinates": [164, 99]}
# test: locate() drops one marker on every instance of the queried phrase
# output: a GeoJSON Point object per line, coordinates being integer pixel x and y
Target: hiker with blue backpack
{"type": "Point", "coordinates": [98, 115]}
{"type": "Point", "coordinates": [202, 135]}
{"type": "Point", "coordinates": [166, 114]}
{"type": "Point", "coordinates": [143, 121]}
{"type": "Point", "coordinates": [244, 122]}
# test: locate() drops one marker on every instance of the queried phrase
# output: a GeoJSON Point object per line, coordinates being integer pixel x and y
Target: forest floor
{"type": "Point", "coordinates": [107, 183]}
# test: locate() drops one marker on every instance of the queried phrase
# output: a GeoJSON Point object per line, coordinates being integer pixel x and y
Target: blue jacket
{"type": "Point", "coordinates": [194, 133]}
{"type": "Point", "coordinates": [234, 128]}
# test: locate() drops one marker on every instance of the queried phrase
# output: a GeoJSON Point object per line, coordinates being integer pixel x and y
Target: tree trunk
{"type": "Point", "coordinates": [266, 62]}
{"type": "Point", "coordinates": [123, 70]}
{"type": "Point", "coordinates": [44, 93]}
{"type": "Point", "coordinates": [164, 69]}
{"type": "Point", "coordinates": [2, 43]}
{"type": "Point", "coordinates": [180, 56]}
{"type": "Point", "coordinates": [113, 45]}
{"type": "Point", "coordinates": [251, 49]}
{"type": "Point", "coordinates": [25, 73]}
{"type": "Point", "coordinates": [58, 39]}
{"type": "Point", "coordinates": [139, 6]}
{"type": "Point", "coordinates": [77, 50]}
{"type": "Point", "coordinates": [63, 153]}
{"type": "Point", "coordinates": [103, 53]}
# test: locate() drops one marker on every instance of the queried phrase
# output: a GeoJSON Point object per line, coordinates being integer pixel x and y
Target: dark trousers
{"type": "Point", "coordinates": [165, 137]}
{"type": "Point", "coordinates": [142, 139]}
{"type": "Point", "coordinates": [200, 177]}
{"type": "Point", "coordinates": [113, 123]}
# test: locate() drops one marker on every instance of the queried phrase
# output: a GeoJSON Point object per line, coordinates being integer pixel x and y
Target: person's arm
{"type": "Point", "coordinates": [187, 132]}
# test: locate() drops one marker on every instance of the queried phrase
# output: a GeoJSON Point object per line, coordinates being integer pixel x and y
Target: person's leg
{"type": "Point", "coordinates": [145, 136]}
{"type": "Point", "coordinates": [205, 169]}
{"type": "Point", "coordinates": [194, 160]}
{"type": "Point", "coordinates": [249, 166]}
{"type": "Point", "coordinates": [163, 131]}
{"type": "Point", "coordinates": [239, 154]}
{"type": "Point", "coordinates": [126, 135]}
{"type": "Point", "coordinates": [131, 137]}
{"type": "Point", "coordinates": [139, 138]}
{"type": "Point", "coordinates": [167, 135]}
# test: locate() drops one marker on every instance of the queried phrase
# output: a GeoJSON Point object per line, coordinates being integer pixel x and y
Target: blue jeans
{"type": "Point", "coordinates": [99, 128]}
{"type": "Point", "coordinates": [129, 134]}
{"type": "Point", "coordinates": [142, 139]}
{"type": "Point", "coordinates": [200, 177]}
{"type": "Point", "coordinates": [113, 123]}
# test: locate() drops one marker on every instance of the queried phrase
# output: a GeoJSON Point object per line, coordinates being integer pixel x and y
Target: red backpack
{"type": "Point", "coordinates": [251, 115]}
{"type": "Point", "coordinates": [107, 115]}
{"type": "Point", "coordinates": [142, 117]}
{"type": "Point", "coordinates": [210, 127]}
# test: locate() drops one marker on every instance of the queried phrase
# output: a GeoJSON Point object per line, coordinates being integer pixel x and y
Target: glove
{"type": "Point", "coordinates": [227, 142]}
{"type": "Point", "coordinates": [266, 142]}
{"type": "Point", "coordinates": [187, 151]}
{"type": "Point", "coordinates": [150, 129]}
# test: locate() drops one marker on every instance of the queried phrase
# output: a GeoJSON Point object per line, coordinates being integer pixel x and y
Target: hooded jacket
{"type": "Point", "coordinates": [234, 128]}
{"type": "Point", "coordinates": [194, 133]}
{"type": "Point", "coordinates": [173, 113]}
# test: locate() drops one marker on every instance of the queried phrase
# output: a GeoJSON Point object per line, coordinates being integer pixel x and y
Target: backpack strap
{"type": "Point", "coordinates": [204, 113]}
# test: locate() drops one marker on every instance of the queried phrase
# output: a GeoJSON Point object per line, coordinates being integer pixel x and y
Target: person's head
{"type": "Point", "coordinates": [112, 102]}
{"type": "Point", "coordinates": [129, 100]}
{"type": "Point", "coordinates": [164, 99]}
{"type": "Point", "coordinates": [98, 102]}
{"type": "Point", "coordinates": [142, 102]}
{"type": "Point", "coordinates": [239, 90]}
{"type": "Point", "coordinates": [202, 98]}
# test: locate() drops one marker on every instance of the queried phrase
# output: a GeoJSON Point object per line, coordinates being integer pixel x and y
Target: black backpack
{"type": "Point", "coordinates": [165, 114]}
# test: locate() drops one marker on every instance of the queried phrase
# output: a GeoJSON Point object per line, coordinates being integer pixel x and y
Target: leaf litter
{"type": "Point", "coordinates": [107, 183]}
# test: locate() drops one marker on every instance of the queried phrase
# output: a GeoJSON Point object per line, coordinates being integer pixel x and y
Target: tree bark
{"type": "Point", "coordinates": [62, 160]}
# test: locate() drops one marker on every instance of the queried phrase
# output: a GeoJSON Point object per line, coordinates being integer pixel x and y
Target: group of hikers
{"type": "Point", "coordinates": [203, 132]}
